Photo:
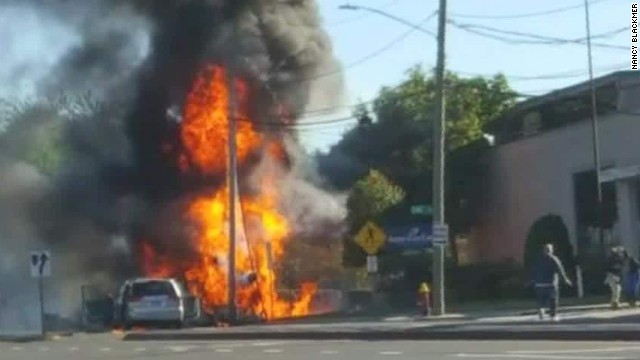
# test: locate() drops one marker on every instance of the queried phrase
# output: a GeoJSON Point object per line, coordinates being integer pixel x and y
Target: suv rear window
{"type": "Point", "coordinates": [152, 288]}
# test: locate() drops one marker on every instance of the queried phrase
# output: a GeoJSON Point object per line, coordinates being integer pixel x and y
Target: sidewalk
{"type": "Point", "coordinates": [582, 324]}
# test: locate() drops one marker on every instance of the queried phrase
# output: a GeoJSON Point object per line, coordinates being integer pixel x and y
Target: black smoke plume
{"type": "Point", "coordinates": [138, 59]}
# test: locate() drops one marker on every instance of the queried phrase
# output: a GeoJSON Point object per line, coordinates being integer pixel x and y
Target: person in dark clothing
{"type": "Point", "coordinates": [546, 273]}
{"type": "Point", "coordinates": [630, 278]}
{"type": "Point", "coordinates": [614, 272]}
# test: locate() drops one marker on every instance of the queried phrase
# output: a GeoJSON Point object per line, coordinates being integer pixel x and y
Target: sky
{"type": "Point", "coordinates": [357, 35]}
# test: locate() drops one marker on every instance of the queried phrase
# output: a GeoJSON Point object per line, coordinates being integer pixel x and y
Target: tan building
{"type": "Point", "coordinates": [543, 163]}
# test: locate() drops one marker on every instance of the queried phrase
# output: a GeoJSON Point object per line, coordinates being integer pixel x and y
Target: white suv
{"type": "Point", "coordinates": [151, 301]}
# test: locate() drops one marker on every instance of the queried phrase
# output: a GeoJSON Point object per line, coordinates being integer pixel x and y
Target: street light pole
{"type": "Point", "coordinates": [438, 163]}
{"type": "Point", "coordinates": [595, 130]}
{"type": "Point", "coordinates": [232, 186]}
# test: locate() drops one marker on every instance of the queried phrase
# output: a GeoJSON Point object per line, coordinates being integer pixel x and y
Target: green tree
{"type": "Point", "coordinates": [32, 131]}
{"type": "Point", "coordinates": [370, 197]}
{"type": "Point", "coordinates": [33, 134]}
{"type": "Point", "coordinates": [399, 143]}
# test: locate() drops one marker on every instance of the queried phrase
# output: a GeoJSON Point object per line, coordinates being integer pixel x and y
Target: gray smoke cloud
{"type": "Point", "coordinates": [70, 47]}
{"type": "Point", "coordinates": [284, 45]}
{"type": "Point", "coordinates": [137, 60]}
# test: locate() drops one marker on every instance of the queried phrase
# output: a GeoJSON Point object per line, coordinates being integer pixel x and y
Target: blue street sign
{"type": "Point", "coordinates": [411, 237]}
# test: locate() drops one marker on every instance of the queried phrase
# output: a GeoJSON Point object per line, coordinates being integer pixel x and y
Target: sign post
{"type": "Point", "coordinates": [440, 234]}
{"type": "Point", "coordinates": [371, 239]}
{"type": "Point", "coordinates": [41, 268]}
{"type": "Point", "coordinates": [372, 264]}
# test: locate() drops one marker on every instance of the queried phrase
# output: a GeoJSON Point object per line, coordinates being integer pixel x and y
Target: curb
{"type": "Point", "coordinates": [545, 335]}
{"type": "Point", "coordinates": [21, 338]}
{"type": "Point", "coordinates": [570, 309]}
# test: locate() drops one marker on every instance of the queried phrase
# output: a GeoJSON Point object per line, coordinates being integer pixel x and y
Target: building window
{"type": "Point", "coordinates": [586, 206]}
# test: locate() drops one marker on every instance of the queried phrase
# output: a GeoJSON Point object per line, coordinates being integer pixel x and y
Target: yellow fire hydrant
{"type": "Point", "coordinates": [424, 299]}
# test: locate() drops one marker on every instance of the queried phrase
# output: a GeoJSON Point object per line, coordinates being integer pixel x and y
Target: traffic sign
{"type": "Point", "coordinates": [414, 236]}
{"type": "Point", "coordinates": [371, 238]}
{"type": "Point", "coordinates": [421, 210]}
{"type": "Point", "coordinates": [372, 264]}
{"type": "Point", "coordinates": [440, 234]}
{"type": "Point", "coordinates": [40, 263]}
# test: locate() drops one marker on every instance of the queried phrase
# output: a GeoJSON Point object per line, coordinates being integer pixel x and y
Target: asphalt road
{"type": "Point", "coordinates": [110, 347]}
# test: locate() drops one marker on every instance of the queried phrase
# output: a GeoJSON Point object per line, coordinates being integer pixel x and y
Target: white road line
{"type": "Point", "coordinates": [267, 343]}
{"type": "Point", "coordinates": [273, 351]}
{"type": "Point", "coordinates": [540, 357]}
{"type": "Point", "coordinates": [391, 353]}
{"type": "Point", "coordinates": [17, 348]}
{"type": "Point", "coordinates": [226, 346]}
{"type": "Point", "coordinates": [328, 352]}
{"type": "Point", "coordinates": [179, 348]}
{"type": "Point", "coordinates": [224, 351]}
{"type": "Point", "coordinates": [44, 348]}
{"type": "Point", "coordinates": [140, 349]}
{"type": "Point", "coordinates": [576, 351]}
{"type": "Point", "coordinates": [73, 348]}
{"type": "Point", "coordinates": [106, 349]}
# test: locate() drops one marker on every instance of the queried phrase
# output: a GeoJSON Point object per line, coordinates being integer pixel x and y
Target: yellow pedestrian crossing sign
{"type": "Point", "coordinates": [371, 238]}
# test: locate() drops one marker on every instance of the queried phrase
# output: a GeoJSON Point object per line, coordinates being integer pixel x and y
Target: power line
{"type": "Point", "coordinates": [302, 124]}
{"type": "Point", "coordinates": [306, 125]}
{"type": "Point", "coordinates": [525, 15]}
{"type": "Point", "coordinates": [554, 76]}
{"type": "Point", "coordinates": [544, 38]}
{"type": "Point", "coordinates": [512, 78]}
{"type": "Point", "coordinates": [370, 56]}
{"type": "Point", "coordinates": [497, 34]}
{"type": "Point", "coordinates": [467, 27]}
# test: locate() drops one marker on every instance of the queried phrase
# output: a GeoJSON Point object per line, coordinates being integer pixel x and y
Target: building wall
{"type": "Point", "coordinates": [533, 177]}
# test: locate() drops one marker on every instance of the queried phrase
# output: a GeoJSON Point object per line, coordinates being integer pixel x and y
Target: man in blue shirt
{"type": "Point", "coordinates": [546, 273]}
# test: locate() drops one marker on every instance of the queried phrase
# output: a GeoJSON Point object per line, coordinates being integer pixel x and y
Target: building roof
{"type": "Point", "coordinates": [579, 88]}
{"type": "Point", "coordinates": [580, 91]}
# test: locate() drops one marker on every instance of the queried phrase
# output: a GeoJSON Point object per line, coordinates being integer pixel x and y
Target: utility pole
{"type": "Point", "coordinates": [438, 164]}
{"type": "Point", "coordinates": [232, 186]}
{"type": "Point", "coordinates": [595, 130]}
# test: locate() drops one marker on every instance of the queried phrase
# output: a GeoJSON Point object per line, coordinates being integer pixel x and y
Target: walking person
{"type": "Point", "coordinates": [630, 278]}
{"type": "Point", "coordinates": [613, 278]}
{"type": "Point", "coordinates": [546, 273]}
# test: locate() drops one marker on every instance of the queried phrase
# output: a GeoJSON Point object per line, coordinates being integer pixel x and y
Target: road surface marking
{"type": "Point", "coordinates": [179, 348]}
{"type": "Point", "coordinates": [44, 348]}
{"type": "Point", "coordinates": [576, 351]}
{"type": "Point", "coordinates": [390, 353]}
{"type": "Point", "coordinates": [140, 349]}
{"type": "Point", "coordinates": [547, 356]}
{"type": "Point", "coordinates": [267, 343]}
{"type": "Point", "coordinates": [224, 350]}
{"type": "Point", "coordinates": [17, 348]}
{"type": "Point", "coordinates": [273, 351]}
{"type": "Point", "coordinates": [328, 352]}
{"type": "Point", "coordinates": [73, 348]}
{"type": "Point", "coordinates": [105, 349]}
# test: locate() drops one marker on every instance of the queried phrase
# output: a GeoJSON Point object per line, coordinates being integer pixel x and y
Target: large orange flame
{"type": "Point", "coordinates": [264, 231]}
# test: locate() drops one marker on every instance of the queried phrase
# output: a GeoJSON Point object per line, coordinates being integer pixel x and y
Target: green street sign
{"type": "Point", "coordinates": [421, 210]}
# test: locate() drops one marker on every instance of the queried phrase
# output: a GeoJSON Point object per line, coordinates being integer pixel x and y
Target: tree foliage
{"type": "Point", "coordinates": [32, 131]}
{"type": "Point", "coordinates": [399, 140]}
